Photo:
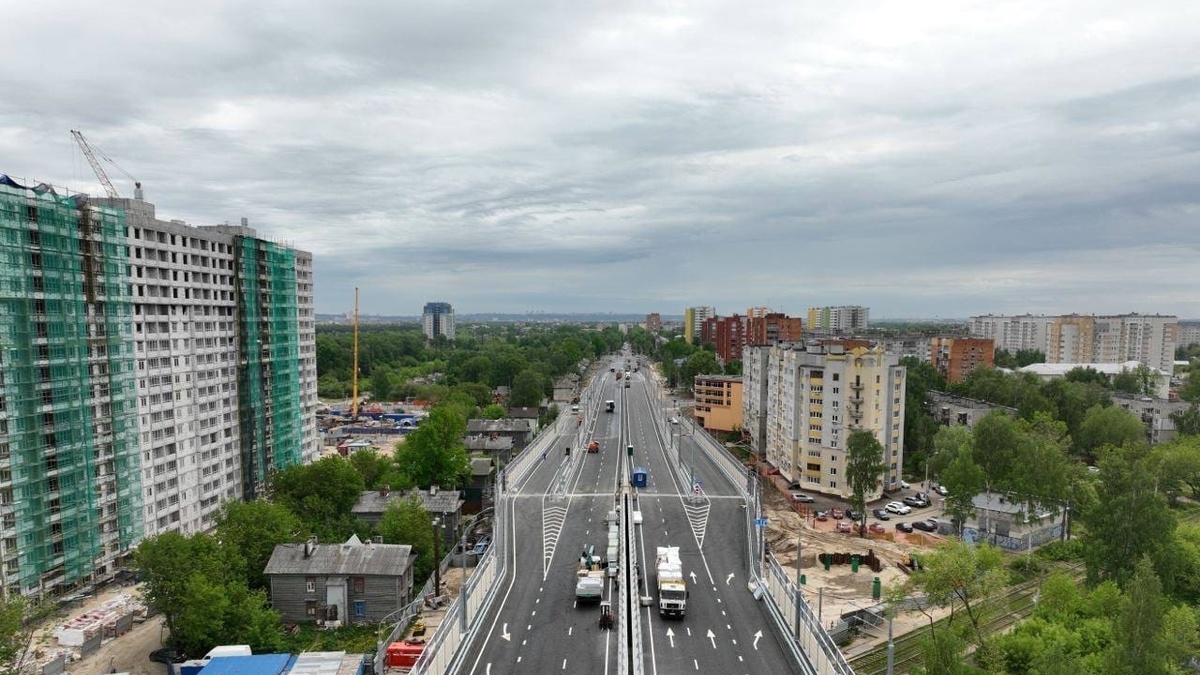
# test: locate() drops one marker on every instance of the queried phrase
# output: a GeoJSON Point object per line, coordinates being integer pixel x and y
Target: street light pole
{"type": "Point", "coordinates": [437, 560]}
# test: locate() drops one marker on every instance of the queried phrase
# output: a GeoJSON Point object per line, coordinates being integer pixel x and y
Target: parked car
{"type": "Point", "coordinates": [822, 516]}
{"type": "Point", "coordinates": [941, 490]}
{"type": "Point", "coordinates": [928, 525]}
{"type": "Point", "coordinates": [481, 545]}
{"type": "Point", "coordinates": [923, 496]}
{"type": "Point", "coordinates": [853, 515]}
{"type": "Point", "coordinates": [904, 485]}
{"type": "Point", "coordinates": [801, 498]}
{"type": "Point", "coordinates": [897, 507]}
{"type": "Point", "coordinates": [904, 527]}
{"type": "Point", "coordinates": [168, 655]}
{"type": "Point", "coordinates": [881, 514]}
{"type": "Point", "coordinates": [876, 528]}
{"type": "Point", "coordinates": [836, 514]}
{"type": "Point", "coordinates": [914, 502]}
{"type": "Point", "coordinates": [845, 526]}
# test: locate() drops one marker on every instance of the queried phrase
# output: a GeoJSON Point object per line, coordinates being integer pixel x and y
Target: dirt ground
{"type": "Point", "coordinates": [839, 590]}
{"type": "Point", "coordinates": [128, 653]}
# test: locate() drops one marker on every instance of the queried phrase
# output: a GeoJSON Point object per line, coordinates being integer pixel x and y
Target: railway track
{"type": "Point", "coordinates": [1001, 613]}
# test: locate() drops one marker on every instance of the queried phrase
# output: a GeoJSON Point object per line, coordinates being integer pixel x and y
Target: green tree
{"type": "Point", "coordinates": [1191, 388]}
{"type": "Point", "coordinates": [963, 578]}
{"type": "Point", "coordinates": [251, 530]}
{"type": "Point", "coordinates": [494, 411]}
{"type": "Point", "coordinates": [1130, 520]}
{"type": "Point", "coordinates": [864, 466]}
{"type": "Point", "coordinates": [1107, 426]}
{"type": "Point", "coordinates": [1139, 381]}
{"type": "Point", "coordinates": [1187, 422]}
{"type": "Point", "coordinates": [434, 454]}
{"type": "Point", "coordinates": [215, 613]}
{"type": "Point", "coordinates": [383, 384]}
{"type": "Point", "coordinates": [20, 619]}
{"type": "Point", "coordinates": [1139, 626]}
{"type": "Point", "coordinates": [1179, 636]}
{"type": "Point", "coordinates": [996, 437]}
{"type": "Point", "coordinates": [321, 495]}
{"type": "Point", "coordinates": [528, 390]}
{"type": "Point", "coordinates": [963, 479]}
{"type": "Point", "coordinates": [378, 470]}
{"type": "Point", "coordinates": [169, 561]}
{"type": "Point", "coordinates": [702, 362]}
{"type": "Point", "coordinates": [407, 522]}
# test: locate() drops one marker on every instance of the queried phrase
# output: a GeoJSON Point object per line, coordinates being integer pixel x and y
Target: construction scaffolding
{"type": "Point", "coordinates": [269, 397]}
{"type": "Point", "coordinates": [70, 489]}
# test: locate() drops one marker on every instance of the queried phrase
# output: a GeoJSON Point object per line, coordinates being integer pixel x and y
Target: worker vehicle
{"type": "Point", "coordinates": [609, 406]}
{"type": "Point", "coordinates": [672, 589]}
{"type": "Point", "coordinates": [589, 578]}
{"type": "Point", "coordinates": [594, 446]}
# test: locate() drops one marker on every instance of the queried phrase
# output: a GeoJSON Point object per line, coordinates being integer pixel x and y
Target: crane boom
{"type": "Point", "coordinates": [91, 158]}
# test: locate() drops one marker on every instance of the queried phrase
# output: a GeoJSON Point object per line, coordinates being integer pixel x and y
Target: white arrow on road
{"type": "Point", "coordinates": [756, 637]}
{"type": "Point", "coordinates": [693, 576]}
{"type": "Point", "coordinates": [671, 637]}
{"type": "Point", "coordinates": [504, 633]}
{"type": "Point", "coordinates": [729, 578]}
{"type": "Point", "coordinates": [712, 636]}
{"type": "Point", "coordinates": [489, 669]}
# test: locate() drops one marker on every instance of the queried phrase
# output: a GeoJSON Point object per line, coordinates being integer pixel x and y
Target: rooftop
{"type": "Point", "coordinates": [351, 558]}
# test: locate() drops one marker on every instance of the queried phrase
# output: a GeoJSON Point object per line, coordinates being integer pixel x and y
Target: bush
{"type": "Point", "coordinates": [1062, 551]}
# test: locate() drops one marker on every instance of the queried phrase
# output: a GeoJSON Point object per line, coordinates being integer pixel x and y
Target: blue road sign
{"type": "Point", "coordinates": [760, 522]}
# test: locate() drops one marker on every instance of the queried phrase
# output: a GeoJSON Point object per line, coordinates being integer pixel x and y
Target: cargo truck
{"type": "Point", "coordinates": [609, 406]}
{"type": "Point", "coordinates": [672, 589]}
{"type": "Point", "coordinates": [589, 579]}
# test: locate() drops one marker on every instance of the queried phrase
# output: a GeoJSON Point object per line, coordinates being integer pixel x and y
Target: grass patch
{"type": "Point", "coordinates": [350, 639]}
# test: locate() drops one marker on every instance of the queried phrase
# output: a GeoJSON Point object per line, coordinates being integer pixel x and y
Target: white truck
{"type": "Point", "coordinates": [589, 580]}
{"type": "Point", "coordinates": [672, 589]}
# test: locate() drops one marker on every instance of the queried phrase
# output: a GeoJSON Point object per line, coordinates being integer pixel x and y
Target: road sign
{"type": "Point", "coordinates": [760, 522]}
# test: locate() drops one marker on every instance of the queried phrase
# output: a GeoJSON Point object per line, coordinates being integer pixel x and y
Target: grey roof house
{"type": "Point", "coordinates": [340, 584]}
{"type": "Point", "coordinates": [443, 504]}
{"type": "Point", "coordinates": [521, 431]}
{"type": "Point", "coordinates": [526, 413]}
{"type": "Point", "coordinates": [1001, 522]}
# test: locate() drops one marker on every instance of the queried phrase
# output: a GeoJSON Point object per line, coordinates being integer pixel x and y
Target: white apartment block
{"type": "Point", "coordinates": [1013, 333]}
{"type": "Point", "coordinates": [1189, 333]}
{"type": "Point", "coordinates": [842, 318]}
{"type": "Point", "coordinates": [213, 422]}
{"type": "Point", "coordinates": [1076, 338]}
{"type": "Point", "coordinates": [815, 396]}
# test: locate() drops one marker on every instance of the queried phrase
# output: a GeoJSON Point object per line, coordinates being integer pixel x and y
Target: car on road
{"type": "Point", "coordinates": [801, 498]}
{"type": "Point", "coordinates": [822, 516]}
{"type": "Point", "coordinates": [845, 526]}
{"type": "Point", "coordinates": [927, 525]}
{"type": "Point", "coordinates": [168, 655]}
{"type": "Point", "coordinates": [836, 514]}
{"type": "Point", "coordinates": [941, 490]}
{"type": "Point", "coordinates": [898, 508]}
{"type": "Point", "coordinates": [674, 420]}
{"type": "Point", "coordinates": [914, 502]}
{"type": "Point", "coordinates": [903, 527]}
{"type": "Point", "coordinates": [904, 485]}
{"type": "Point", "coordinates": [881, 514]}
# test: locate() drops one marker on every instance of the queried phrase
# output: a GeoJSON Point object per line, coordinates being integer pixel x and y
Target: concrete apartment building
{"type": "Point", "coordinates": [727, 334]}
{"type": "Point", "coordinates": [842, 318]}
{"type": "Point", "coordinates": [693, 321]}
{"type": "Point", "coordinates": [1077, 338]}
{"type": "Point", "coordinates": [815, 396]}
{"type": "Point", "coordinates": [654, 322]}
{"type": "Point", "coordinates": [955, 358]}
{"type": "Point", "coordinates": [437, 319]}
{"type": "Point", "coordinates": [150, 370]}
{"type": "Point", "coordinates": [771, 328]}
{"type": "Point", "coordinates": [718, 402]}
{"type": "Point", "coordinates": [1189, 333]}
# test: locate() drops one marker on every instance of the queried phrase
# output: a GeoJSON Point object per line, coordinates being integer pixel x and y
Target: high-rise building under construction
{"type": "Point", "coordinates": [149, 370]}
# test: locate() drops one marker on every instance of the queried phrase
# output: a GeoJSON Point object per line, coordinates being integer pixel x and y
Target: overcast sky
{"type": "Point", "coordinates": [932, 159]}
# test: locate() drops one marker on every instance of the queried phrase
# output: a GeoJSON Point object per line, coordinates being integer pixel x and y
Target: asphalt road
{"type": "Point", "coordinates": [537, 626]}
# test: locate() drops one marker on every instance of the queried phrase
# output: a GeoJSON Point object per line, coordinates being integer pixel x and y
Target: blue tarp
{"type": "Point", "coordinates": [258, 664]}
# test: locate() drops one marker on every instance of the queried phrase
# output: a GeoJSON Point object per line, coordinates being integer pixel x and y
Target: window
{"type": "Point", "coordinates": [310, 607]}
{"type": "Point", "coordinates": [310, 585]}
{"type": "Point", "coordinates": [360, 608]}
{"type": "Point", "coordinates": [357, 584]}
